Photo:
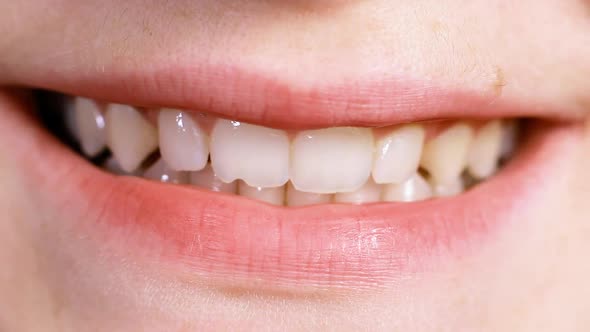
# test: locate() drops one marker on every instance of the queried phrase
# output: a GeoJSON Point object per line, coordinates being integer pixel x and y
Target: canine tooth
{"type": "Point", "coordinates": [206, 178]}
{"type": "Point", "coordinates": [160, 171]}
{"type": "Point", "coordinates": [445, 156]}
{"type": "Point", "coordinates": [451, 188]}
{"type": "Point", "coordinates": [416, 188]}
{"type": "Point", "coordinates": [130, 136]}
{"type": "Point", "coordinates": [369, 193]}
{"type": "Point", "coordinates": [484, 152]}
{"type": "Point", "coordinates": [183, 144]}
{"type": "Point", "coordinates": [332, 160]}
{"type": "Point", "coordinates": [301, 198]}
{"type": "Point", "coordinates": [90, 125]}
{"type": "Point", "coordinates": [275, 195]}
{"type": "Point", "coordinates": [255, 154]}
{"type": "Point", "coordinates": [398, 154]}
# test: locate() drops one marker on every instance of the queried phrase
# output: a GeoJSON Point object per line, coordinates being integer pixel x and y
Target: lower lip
{"type": "Point", "coordinates": [221, 238]}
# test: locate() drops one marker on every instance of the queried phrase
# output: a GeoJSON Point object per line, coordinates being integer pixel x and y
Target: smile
{"type": "Point", "coordinates": [319, 202]}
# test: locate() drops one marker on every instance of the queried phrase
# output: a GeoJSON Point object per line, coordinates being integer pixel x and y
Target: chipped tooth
{"type": "Point", "coordinates": [160, 171]}
{"type": "Point", "coordinates": [332, 160]}
{"type": "Point", "coordinates": [416, 188]}
{"type": "Point", "coordinates": [130, 136]}
{"type": "Point", "coordinates": [90, 126]}
{"type": "Point", "coordinates": [369, 193]}
{"type": "Point", "coordinates": [398, 154]}
{"type": "Point", "coordinates": [451, 188]}
{"type": "Point", "coordinates": [275, 195]}
{"type": "Point", "coordinates": [205, 178]}
{"type": "Point", "coordinates": [183, 144]}
{"type": "Point", "coordinates": [484, 152]}
{"type": "Point", "coordinates": [255, 154]}
{"type": "Point", "coordinates": [301, 198]}
{"type": "Point", "coordinates": [445, 156]}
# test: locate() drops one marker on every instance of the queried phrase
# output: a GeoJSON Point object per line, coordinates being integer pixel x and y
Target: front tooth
{"type": "Point", "coordinates": [206, 178]}
{"type": "Point", "coordinates": [451, 188]}
{"type": "Point", "coordinates": [90, 125]}
{"type": "Point", "coordinates": [183, 144]}
{"type": "Point", "coordinates": [275, 195]}
{"type": "Point", "coordinates": [369, 193]}
{"type": "Point", "coordinates": [160, 171]}
{"type": "Point", "coordinates": [255, 154]}
{"type": "Point", "coordinates": [398, 154]}
{"type": "Point", "coordinates": [445, 156]}
{"type": "Point", "coordinates": [416, 188]}
{"type": "Point", "coordinates": [485, 150]}
{"type": "Point", "coordinates": [301, 198]}
{"type": "Point", "coordinates": [130, 136]}
{"type": "Point", "coordinates": [332, 160]}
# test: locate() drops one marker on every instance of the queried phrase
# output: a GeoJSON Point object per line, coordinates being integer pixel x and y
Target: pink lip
{"type": "Point", "coordinates": [217, 237]}
{"type": "Point", "coordinates": [239, 94]}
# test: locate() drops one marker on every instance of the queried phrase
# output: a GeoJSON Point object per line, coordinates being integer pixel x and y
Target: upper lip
{"type": "Point", "coordinates": [238, 94]}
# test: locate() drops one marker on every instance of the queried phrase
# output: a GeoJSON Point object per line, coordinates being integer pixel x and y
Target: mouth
{"type": "Point", "coordinates": [257, 190]}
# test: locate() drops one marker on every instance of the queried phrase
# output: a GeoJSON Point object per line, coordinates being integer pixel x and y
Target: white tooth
{"type": "Point", "coordinates": [332, 160]}
{"type": "Point", "coordinates": [398, 154]}
{"type": "Point", "coordinates": [485, 150]}
{"type": "Point", "coordinates": [300, 198]}
{"type": "Point", "coordinates": [183, 143]}
{"type": "Point", "coordinates": [445, 156]}
{"type": "Point", "coordinates": [90, 125]}
{"type": "Point", "coordinates": [416, 188]}
{"type": "Point", "coordinates": [509, 138]}
{"type": "Point", "coordinates": [369, 193]}
{"type": "Point", "coordinates": [274, 195]}
{"type": "Point", "coordinates": [255, 154]}
{"type": "Point", "coordinates": [451, 188]}
{"type": "Point", "coordinates": [130, 136]}
{"type": "Point", "coordinates": [112, 166]}
{"type": "Point", "coordinates": [160, 171]}
{"type": "Point", "coordinates": [206, 179]}
{"type": "Point", "coordinates": [70, 120]}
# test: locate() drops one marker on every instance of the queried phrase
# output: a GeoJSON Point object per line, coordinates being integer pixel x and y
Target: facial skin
{"type": "Point", "coordinates": [532, 276]}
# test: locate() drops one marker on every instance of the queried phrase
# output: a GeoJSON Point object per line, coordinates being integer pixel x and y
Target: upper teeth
{"type": "Point", "coordinates": [342, 164]}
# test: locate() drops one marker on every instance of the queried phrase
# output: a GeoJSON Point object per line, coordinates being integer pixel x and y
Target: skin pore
{"type": "Point", "coordinates": [530, 276]}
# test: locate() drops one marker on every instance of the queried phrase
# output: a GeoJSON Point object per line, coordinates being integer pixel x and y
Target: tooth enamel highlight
{"type": "Point", "coordinates": [130, 136]}
{"type": "Point", "coordinates": [416, 188]}
{"type": "Point", "coordinates": [445, 156]}
{"type": "Point", "coordinates": [160, 171]}
{"type": "Point", "coordinates": [300, 198]}
{"type": "Point", "coordinates": [90, 125]}
{"type": "Point", "coordinates": [485, 149]}
{"type": "Point", "coordinates": [331, 160]}
{"type": "Point", "coordinates": [207, 179]}
{"type": "Point", "coordinates": [183, 144]}
{"type": "Point", "coordinates": [451, 188]}
{"type": "Point", "coordinates": [275, 196]}
{"type": "Point", "coordinates": [398, 154]}
{"type": "Point", "coordinates": [255, 154]}
{"type": "Point", "coordinates": [369, 193]}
